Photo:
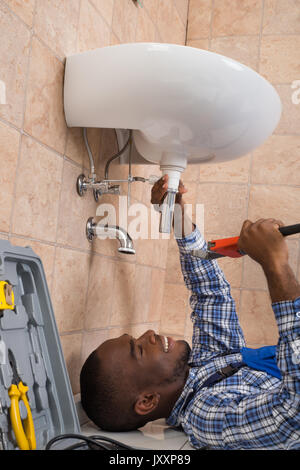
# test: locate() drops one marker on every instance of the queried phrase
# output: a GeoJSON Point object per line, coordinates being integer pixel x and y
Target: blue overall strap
{"type": "Point", "coordinates": [223, 374]}
{"type": "Point", "coordinates": [262, 359]}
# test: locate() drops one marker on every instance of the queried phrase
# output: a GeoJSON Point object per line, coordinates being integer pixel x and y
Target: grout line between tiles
{"type": "Point", "coordinates": [260, 35]}
{"type": "Point", "coordinates": [17, 16]}
{"type": "Point", "coordinates": [247, 211]}
{"type": "Point", "coordinates": [77, 28]}
{"type": "Point", "coordinates": [237, 183]}
{"type": "Point", "coordinates": [22, 123]}
{"type": "Point", "coordinates": [102, 17]}
{"type": "Point", "coordinates": [211, 23]}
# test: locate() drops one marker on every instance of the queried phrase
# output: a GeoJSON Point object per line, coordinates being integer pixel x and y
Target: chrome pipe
{"type": "Point", "coordinates": [93, 230]}
{"type": "Point", "coordinates": [167, 212]}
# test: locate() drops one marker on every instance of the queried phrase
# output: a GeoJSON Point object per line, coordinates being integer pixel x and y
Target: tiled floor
{"type": "Point", "coordinates": [156, 435]}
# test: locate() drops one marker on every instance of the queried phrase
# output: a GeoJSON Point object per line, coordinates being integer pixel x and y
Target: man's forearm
{"type": "Point", "coordinates": [282, 282]}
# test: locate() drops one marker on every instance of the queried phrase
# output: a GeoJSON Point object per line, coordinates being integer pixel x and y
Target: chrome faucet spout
{"type": "Point", "coordinates": [126, 244]}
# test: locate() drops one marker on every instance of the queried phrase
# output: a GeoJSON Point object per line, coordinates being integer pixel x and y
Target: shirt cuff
{"type": "Point", "coordinates": [287, 314]}
{"type": "Point", "coordinates": [192, 241]}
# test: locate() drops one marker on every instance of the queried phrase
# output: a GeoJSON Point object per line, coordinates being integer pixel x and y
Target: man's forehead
{"type": "Point", "coordinates": [115, 346]}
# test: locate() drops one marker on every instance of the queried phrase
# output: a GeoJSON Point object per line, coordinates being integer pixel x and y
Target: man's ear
{"type": "Point", "coordinates": [146, 402]}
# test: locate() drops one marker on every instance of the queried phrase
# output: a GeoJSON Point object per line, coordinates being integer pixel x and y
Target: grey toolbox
{"type": "Point", "coordinates": [30, 333]}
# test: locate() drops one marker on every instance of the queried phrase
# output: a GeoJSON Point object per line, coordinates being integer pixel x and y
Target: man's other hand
{"type": "Point", "coordinates": [263, 242]}
{"type": "Point", "coordinates": [160, 188]}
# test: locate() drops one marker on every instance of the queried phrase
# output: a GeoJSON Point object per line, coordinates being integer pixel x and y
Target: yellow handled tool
{"type": "Point", "coordinates": [23, 430]}
{"type": "Point", "coordinates": [7, 299]}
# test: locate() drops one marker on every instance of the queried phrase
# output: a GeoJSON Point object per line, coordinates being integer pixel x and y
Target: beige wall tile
{"type": "Point", "coordinates": [232, 268]}
{"type": "Point", "coordinates": [142, 291]}
{"type": "Point", "coordinates": [277, 161]}
{"type": "Point", "coordinates": [279, 58]}
{"type": "Point", "coordinates": [178, 29]}
{"type": "Point", "coordinates": [125, 20]}
{"type": "Point", "coordinates": [44, 115]}
{"type": "Point", "coordinates": [223, 216]}
{"type": "Point", "coordinates": [139, 330]}
{"type": "Point", "coordinates": [105, 8]}
{"type": "Point", "coordinates": [199, 19]}
{"type": "Point", "coordinates": [281, 17]}
{"type": "Point", "coordinates": [9, 151]}
{"type": "Point", "coordinates": [174, 309]}
{"type": "Point", "coordinates": [199, 43]}
{"type": "Point", "coordinates": [144, 251]}
{"type": "Point", "coordinates": [244, 49]}
{"type": "Point", "coordinates": [135, 330]}
{"type": "Point", "coordinates": [152, 8]}
{"type": "Point", "coordinates": [56, 23]}
{"type": "Point", "coordinates": [23, 8]}
{"type": "Point", "coordinates": [165, 21]}
{"type": "Point", "coordinates": [157, 292]}
{"type": "Point", "coordinates": [114, 39]}
{"type": "Point", "coordinates": [76, 149]}
{"type": "Point", "coordinates": [100, 292]}
{"type": "Point", "coordinates": [71, 346]}
{"type": "Point", "coordinates": [257, 318]}
{"type": "Point", "coordinates": [191, 174]}
{"type": "Point", "coordinates": [233, 171]}
{"type": "Point", "coordinates": [182, 8]}
{"type": "Point", "coordinates": [233, 17]}
{"type": "Point", "coordinates": [14, 53]}
{"type": "Point", "coordinates": [274, 201]}
{"type": "Point", "coordinates": [3, 236]}
{"type": "Point", "coordinates": [236, 294]}
{"type": "Point", "coordinates": [93, 32]}
{"type": "Point", "coordinates": [69, 288]}
{"type": "Point", "coordinates": [45, 252]}
{"type": "Point", "coordinates": [173, 267]}
{"type": "Point", "coordinates": [189, 326]}
{"type": "Point", "coordinates": [90, 341]}
{"type": "Point", "coordinates": [124, 294]}
{"type": "Point", "coordinates": [37, 191]}
{"type": "Point", "coordinates": [290, 118]}
{"type": "Point", "coordinates": [254, 277]}
{"type": "Point", "coordinates": [160, 253]}
{"type": "Point", "coordinates": [74, 210]}
{"type": "Point", "coordinates": [145, 31]}
{"type": "Point", "coordinates": [115, 332]}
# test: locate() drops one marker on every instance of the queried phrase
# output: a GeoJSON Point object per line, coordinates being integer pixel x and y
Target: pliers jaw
{"type": "Point", "coordinates": [219, 249]}
{"type": "Point", "coordinates": [206, 254]}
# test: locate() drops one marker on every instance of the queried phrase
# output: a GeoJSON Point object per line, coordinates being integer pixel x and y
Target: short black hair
{"type": "Point", "coordinates": [103, 399]}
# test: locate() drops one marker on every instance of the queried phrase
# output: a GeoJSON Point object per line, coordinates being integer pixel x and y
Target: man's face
{"type": "Point", "coordinates": [148, 360]}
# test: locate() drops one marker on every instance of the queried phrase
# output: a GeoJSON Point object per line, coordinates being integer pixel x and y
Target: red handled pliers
{"type": "Point", "coordinates": [229, 246]}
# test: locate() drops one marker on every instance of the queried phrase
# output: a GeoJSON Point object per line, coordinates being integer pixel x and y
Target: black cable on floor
{"type": "Point", "coordinates": [95, 442]}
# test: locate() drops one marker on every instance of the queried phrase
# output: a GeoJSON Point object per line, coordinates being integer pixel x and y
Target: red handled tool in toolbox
{"type": "Point", "coordinates": [229, 246]}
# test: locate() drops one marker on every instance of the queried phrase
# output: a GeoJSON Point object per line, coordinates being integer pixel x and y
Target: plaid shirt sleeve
{"type": "Point", "coordinates": [216, 327]}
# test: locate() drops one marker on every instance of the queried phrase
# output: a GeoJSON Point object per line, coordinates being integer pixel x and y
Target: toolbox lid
{"type": "Point", "coordinates": [28, 330]}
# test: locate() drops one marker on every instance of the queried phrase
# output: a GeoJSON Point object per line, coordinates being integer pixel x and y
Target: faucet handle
{"type": "Point", "coordinates": [114, 189]}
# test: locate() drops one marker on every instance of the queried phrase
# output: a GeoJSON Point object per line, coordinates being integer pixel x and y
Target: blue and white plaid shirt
{"type": "Point", "coordinates": [251, 409]}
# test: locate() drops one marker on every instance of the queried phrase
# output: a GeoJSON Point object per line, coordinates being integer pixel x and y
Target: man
{"type": "Point", "coordinates": [127, 382]}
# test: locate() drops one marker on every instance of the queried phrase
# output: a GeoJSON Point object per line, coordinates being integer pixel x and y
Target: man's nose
{"type": "Point", "coordinates": [150, 336]}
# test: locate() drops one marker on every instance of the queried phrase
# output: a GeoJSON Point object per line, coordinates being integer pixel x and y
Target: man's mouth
{"type": "Point", "coordinates": [168, 343]}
